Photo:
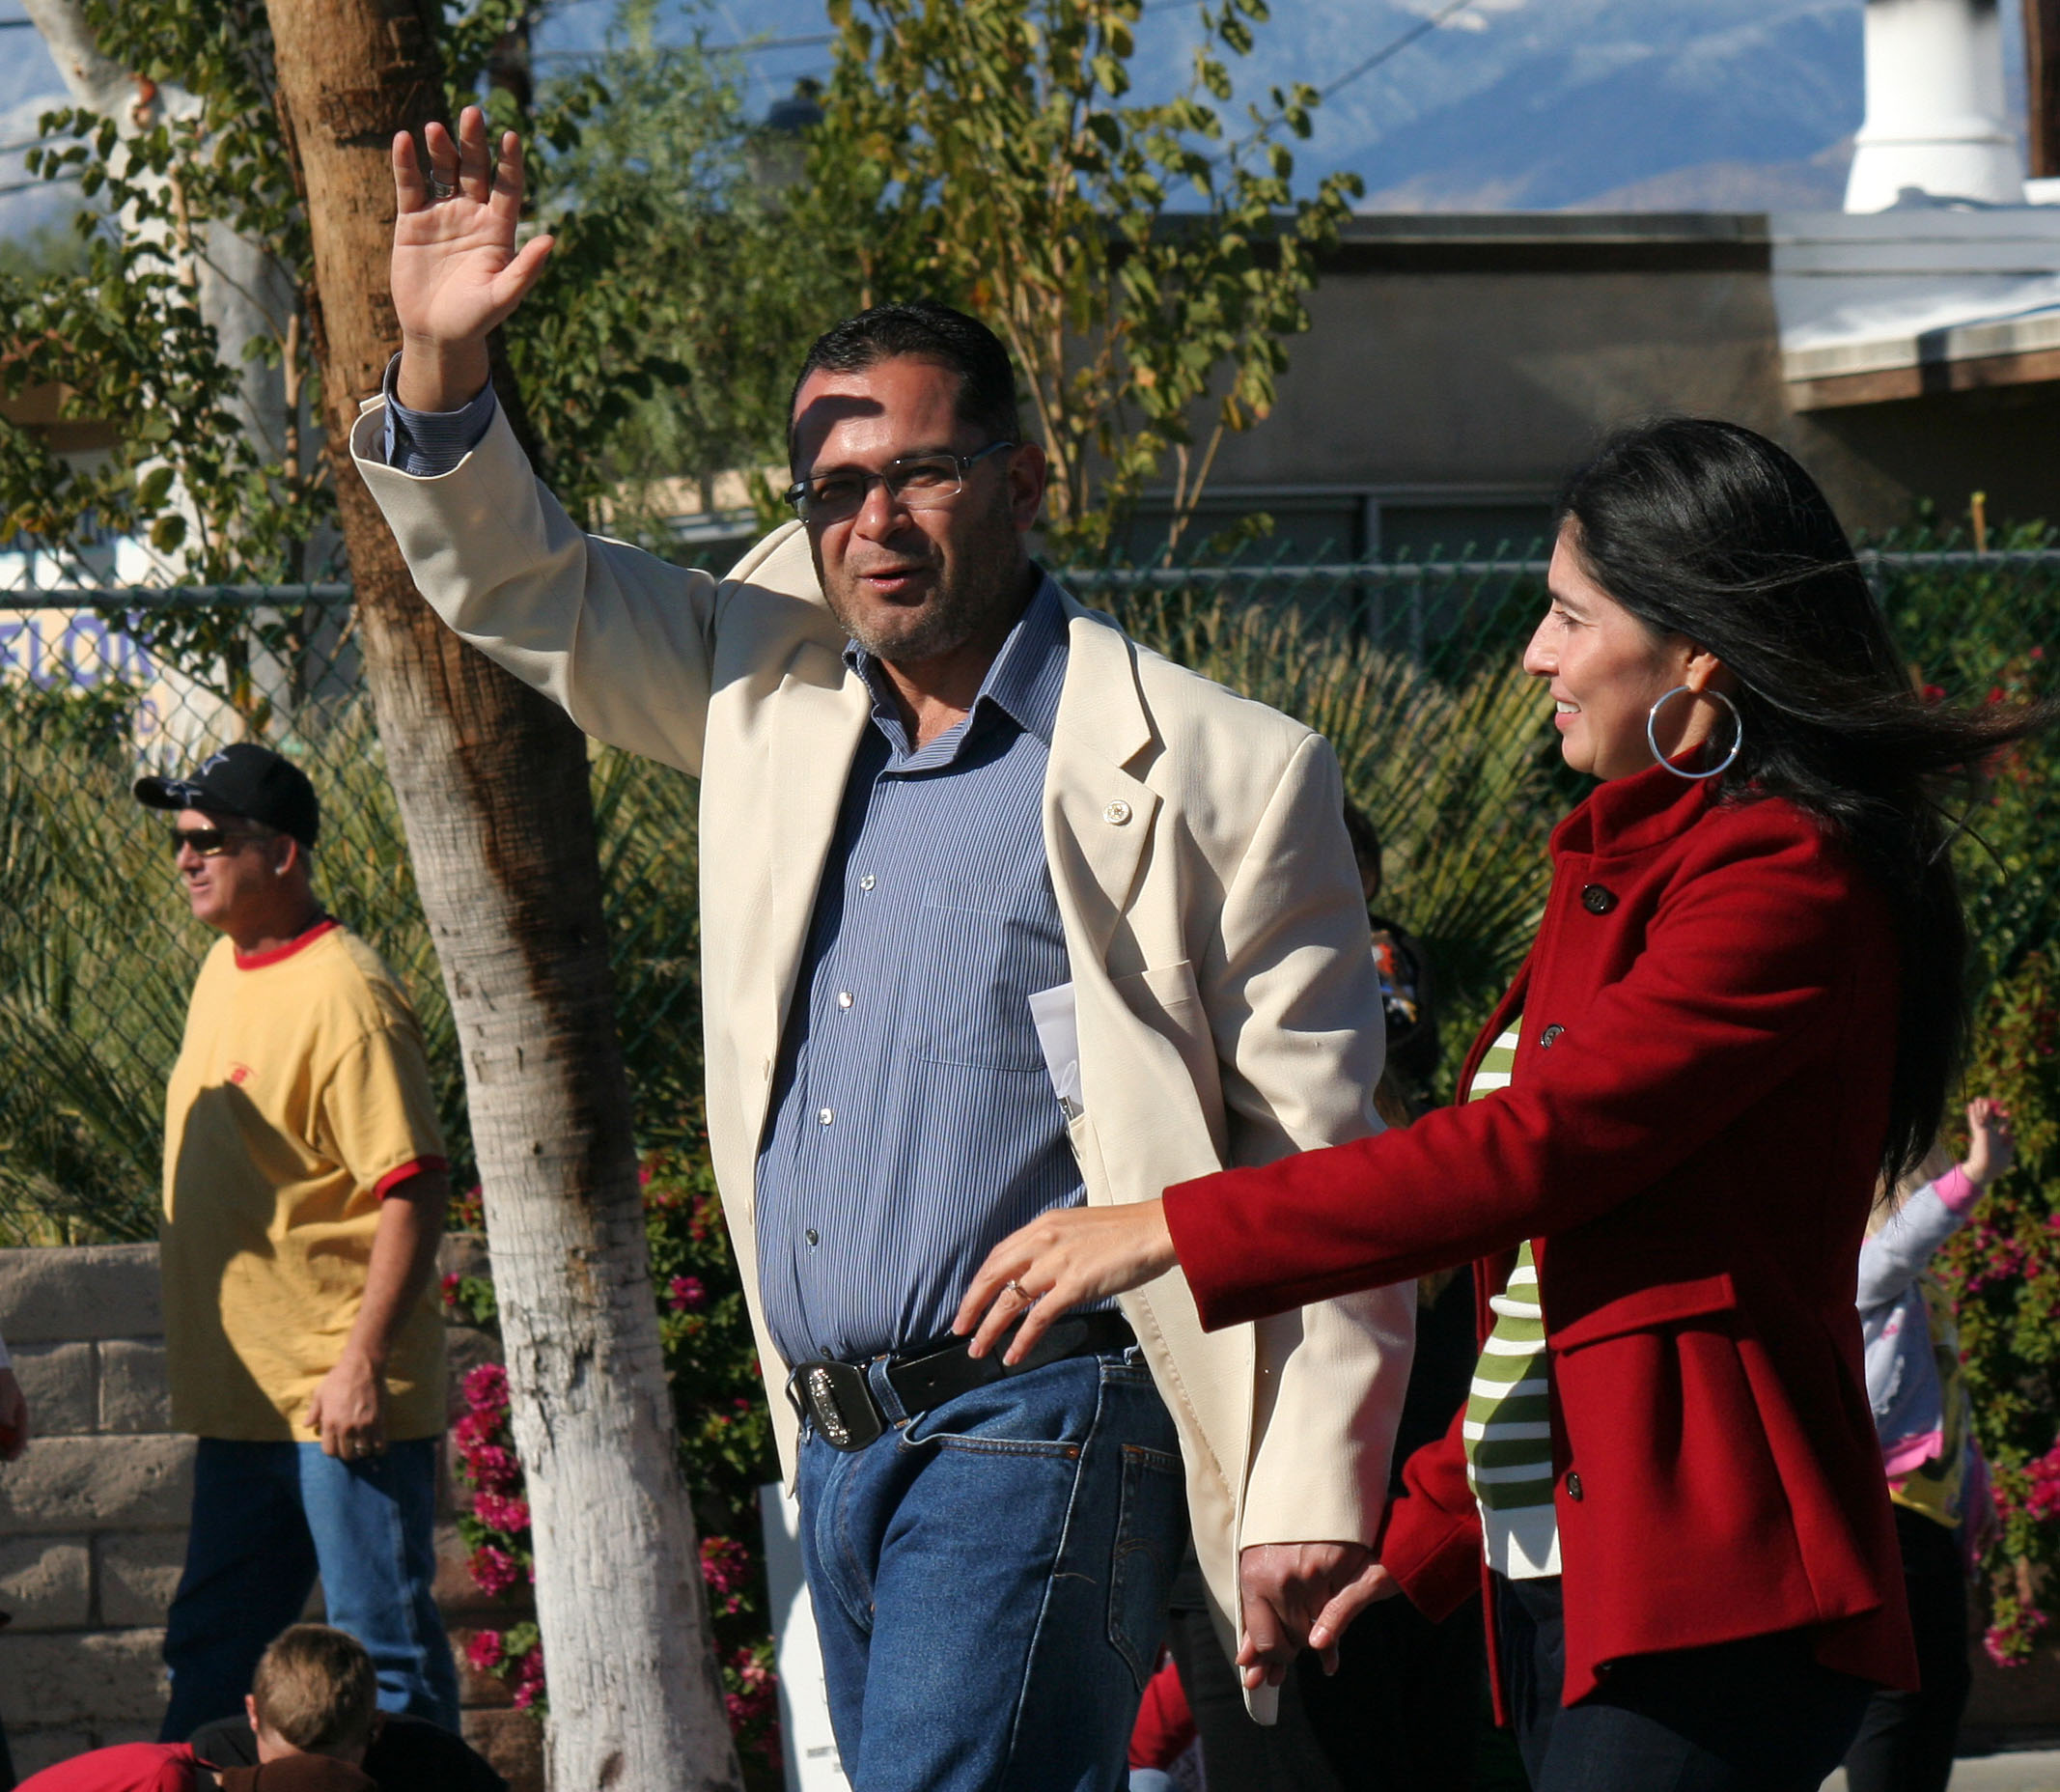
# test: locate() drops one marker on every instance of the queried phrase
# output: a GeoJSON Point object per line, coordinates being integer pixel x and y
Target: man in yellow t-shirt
{"type": "Point", "coordinates": [304, 1194]}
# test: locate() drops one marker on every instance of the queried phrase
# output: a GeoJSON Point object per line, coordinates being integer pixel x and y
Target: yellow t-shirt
{"type": "Point", "coordinates": [301, 1096]}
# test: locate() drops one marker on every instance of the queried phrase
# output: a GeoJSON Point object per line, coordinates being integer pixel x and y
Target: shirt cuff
{"type": "Point", "coordinates": [1957, 1190]}
{"type": "Point", "coordinates": [408, 1172]}
{"type": "Point", "coordinates": [426, 444]}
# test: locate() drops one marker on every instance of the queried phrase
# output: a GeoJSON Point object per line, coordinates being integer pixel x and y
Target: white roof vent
{"type": "Point", "coordinates": [1936, 130]}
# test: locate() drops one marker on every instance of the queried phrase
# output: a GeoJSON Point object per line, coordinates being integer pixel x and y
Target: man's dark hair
{"type": "Point", "coordinates": [926, 330]}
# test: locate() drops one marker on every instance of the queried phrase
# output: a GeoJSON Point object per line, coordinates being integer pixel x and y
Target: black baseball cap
{"type": "Point", "coordinates": [246, 780]}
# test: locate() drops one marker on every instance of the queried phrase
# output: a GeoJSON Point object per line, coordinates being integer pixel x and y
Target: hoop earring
{"type": "Point", "coordinates": [1737, 733]}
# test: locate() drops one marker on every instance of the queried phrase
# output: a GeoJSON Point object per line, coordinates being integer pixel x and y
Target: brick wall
{"type": "Point", "coordinates": [93, 1518]}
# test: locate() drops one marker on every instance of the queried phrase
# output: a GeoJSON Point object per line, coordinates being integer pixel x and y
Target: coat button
{"type": "Point", "coordinates": [1548, 1037]}
{"type": "Point", "coordinates": [1596, 900]}
{"type": "Point", "coordinates": [1117, 813]}
{"type": "Point", "coordinates": [1574, 1486]}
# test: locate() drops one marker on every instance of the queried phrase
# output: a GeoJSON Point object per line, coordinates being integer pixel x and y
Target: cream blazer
{"type": "Point", "coordinates": [1228, 1009]}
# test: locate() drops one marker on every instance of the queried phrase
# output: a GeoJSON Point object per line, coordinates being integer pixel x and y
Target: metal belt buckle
{"type": "Point", "coordinates": [835, 1398]}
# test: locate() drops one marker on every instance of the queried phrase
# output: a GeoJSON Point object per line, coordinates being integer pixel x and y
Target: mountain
{"type": "Point", "coordinates": [1686, 107]}
{"type": "Point", "coordinates": [1635, 104]}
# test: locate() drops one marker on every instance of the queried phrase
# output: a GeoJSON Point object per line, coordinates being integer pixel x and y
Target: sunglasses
{"type": "Point", "coordinates": [209, 842]}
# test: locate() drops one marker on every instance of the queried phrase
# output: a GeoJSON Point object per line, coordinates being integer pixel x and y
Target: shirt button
{"type": "Point", "coordinates": [867, 881]}
{"type": "Point", "coordinates": [1117, 813]}
{"type": "Point", "coordinates": [1596, 900]}
{"type": "Point", "coordinates": [813, 1236]}
{"type": "Point", "coordinates": [843, 998]}
{"type": "Point", "coordinates": [1550, 1037]}
{"type": "Point", "coordinates": [1574, 1486]}
{"type": "Point", "coordinates": [826, 1116]}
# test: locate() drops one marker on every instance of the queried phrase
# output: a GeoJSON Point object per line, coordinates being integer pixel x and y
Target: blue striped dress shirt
{"type": "Point", "coordinates": [915, 1125]}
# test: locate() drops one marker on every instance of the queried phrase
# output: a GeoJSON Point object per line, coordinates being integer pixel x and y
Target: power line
{"type": "Point", "coordinates": [27, 186]}
{"type": "Point", "coordinates": [814, 40]}
{"type": "Point", "coordinates": [1422, 28]}
{"type": "Point", "coordinates": [752, 46]}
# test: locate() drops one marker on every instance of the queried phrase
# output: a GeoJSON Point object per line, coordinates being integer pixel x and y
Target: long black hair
{"type": "Point", "coordinates": [1705, 529]}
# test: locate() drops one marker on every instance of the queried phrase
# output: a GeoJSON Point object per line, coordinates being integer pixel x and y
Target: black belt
{"type": "Point", "coordinates": [836, 1399]}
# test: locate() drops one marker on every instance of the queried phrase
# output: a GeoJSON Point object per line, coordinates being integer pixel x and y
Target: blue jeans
{"type": "Point", "coordinates": [990, 1581]}
{"type": "Point", "coordinates": [267, 1519]}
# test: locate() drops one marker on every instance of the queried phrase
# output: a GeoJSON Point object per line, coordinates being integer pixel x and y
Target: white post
{"type": "Point", "coordinates": [1935, 107]}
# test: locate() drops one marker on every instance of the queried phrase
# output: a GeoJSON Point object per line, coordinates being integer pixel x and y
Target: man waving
{"type": "Point", "coordinates": [1004, 914]}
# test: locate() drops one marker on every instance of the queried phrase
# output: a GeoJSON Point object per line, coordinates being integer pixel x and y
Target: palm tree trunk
{"type": "Point", "coordinates": [493, 785]}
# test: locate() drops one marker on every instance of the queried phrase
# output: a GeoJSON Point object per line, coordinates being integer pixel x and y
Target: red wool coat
{"type": "Point", "coordinates": [1692, 1135]}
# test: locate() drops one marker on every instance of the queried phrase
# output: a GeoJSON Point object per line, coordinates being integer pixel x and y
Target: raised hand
{"type": "Point", "coordinates": [456, 273]}
{"type": "Point", "coordinates": [1991, 1141]}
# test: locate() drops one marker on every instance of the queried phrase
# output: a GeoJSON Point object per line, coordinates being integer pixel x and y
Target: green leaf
{"type": "Point", "coordinates": [152, 489]}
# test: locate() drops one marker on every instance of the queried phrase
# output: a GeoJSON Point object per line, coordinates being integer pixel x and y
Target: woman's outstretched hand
{"type": "Point", "coordinates": [1056, 1261]}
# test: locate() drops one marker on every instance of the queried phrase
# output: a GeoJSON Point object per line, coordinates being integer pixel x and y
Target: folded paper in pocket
{"type": "Point", "coordinates": [1058, 1032]}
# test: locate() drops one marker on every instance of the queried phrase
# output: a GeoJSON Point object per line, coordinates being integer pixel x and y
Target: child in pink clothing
{"type": "Point", "coordinates": [1920, 1415]}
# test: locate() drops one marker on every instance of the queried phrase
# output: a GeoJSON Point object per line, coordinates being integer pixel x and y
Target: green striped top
{"type": "Point", "coordinates": [1508, 1420]}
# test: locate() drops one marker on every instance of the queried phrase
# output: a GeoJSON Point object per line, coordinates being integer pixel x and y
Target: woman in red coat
{"type": "Point", "coordinates": [1744, 1005]}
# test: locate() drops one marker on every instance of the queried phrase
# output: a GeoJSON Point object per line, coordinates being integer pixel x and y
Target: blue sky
{"type": "Point", "coordinates": [1509, 103]}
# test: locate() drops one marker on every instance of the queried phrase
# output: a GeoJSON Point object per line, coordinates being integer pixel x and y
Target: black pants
{"type": "Point", "coordinates": [1399, 1716]}
{"type": "Point", "coordinates": [1757, 1716]}
{"type": "Point", "coordinates": [1906, 1740]}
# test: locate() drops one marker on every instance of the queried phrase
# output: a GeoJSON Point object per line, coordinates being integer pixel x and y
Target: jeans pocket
{"type": "Point", "coordinates": [1148, 1533]}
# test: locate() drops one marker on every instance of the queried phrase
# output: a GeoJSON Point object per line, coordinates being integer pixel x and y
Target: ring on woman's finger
{"type": "Point", "coordinates": [1020, 1292]}
{"type": "Point", "coordinates": [440, 189]}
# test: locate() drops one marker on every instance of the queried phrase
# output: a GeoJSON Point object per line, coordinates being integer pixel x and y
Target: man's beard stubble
{"type": "Point", "coordinates": [981, 585]}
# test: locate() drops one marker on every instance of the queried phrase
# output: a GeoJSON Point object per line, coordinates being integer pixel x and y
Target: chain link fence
{"type": "Point", "coordinates": [1410, 669]}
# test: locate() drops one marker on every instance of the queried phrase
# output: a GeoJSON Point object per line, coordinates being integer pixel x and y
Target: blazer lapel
{"type": "Point", "coordinates": [822, 711]}
{"type": "Point", "coordinates": [1098, 816]}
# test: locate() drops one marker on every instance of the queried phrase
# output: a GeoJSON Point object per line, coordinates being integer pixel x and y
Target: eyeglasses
{"type": "Point", "coordinates": [209, 842]}
{"type": "Point", "coordinates": [922, 482]}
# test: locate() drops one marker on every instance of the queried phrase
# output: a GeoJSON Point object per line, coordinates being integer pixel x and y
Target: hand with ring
{"type": "Point", "coordinates": [1055, 1263]}
{"type": "Point", "coordinates": [348, 1409]}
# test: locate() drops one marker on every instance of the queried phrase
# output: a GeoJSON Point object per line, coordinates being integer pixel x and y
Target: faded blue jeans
{"type": "Point", "coordinates": [990, 1582]}
{"type": "Point", "coordinates": [267, 1519]}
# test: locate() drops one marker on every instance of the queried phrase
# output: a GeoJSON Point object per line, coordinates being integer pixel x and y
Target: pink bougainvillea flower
{"type": "Point", "coordinates": [509, 1517]}
{"type": "Point", "coordinates": [496, 1470]}
{"type": "Point", "coordinates": [495, 1571]}
{"type": "Point", "coordinates": [487, 1388]}
{"type": "Point", "coordinates": [686, 1294]}
{"type": "Point", "coordinates": [483, 1651]}
{"type": "Point", "coordinates": [529, 1677]}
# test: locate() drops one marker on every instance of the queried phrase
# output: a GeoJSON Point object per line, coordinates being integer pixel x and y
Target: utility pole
{"type": "Point", "coordinates": [2042, 87]}
{"type": "Point", "coordinates": [493, 786]}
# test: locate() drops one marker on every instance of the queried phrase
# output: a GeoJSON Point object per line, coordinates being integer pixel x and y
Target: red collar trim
{"type": "Point", "coordinates": [1632, 813]}
{"type": "Point", "coordinates": [257, 960]}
